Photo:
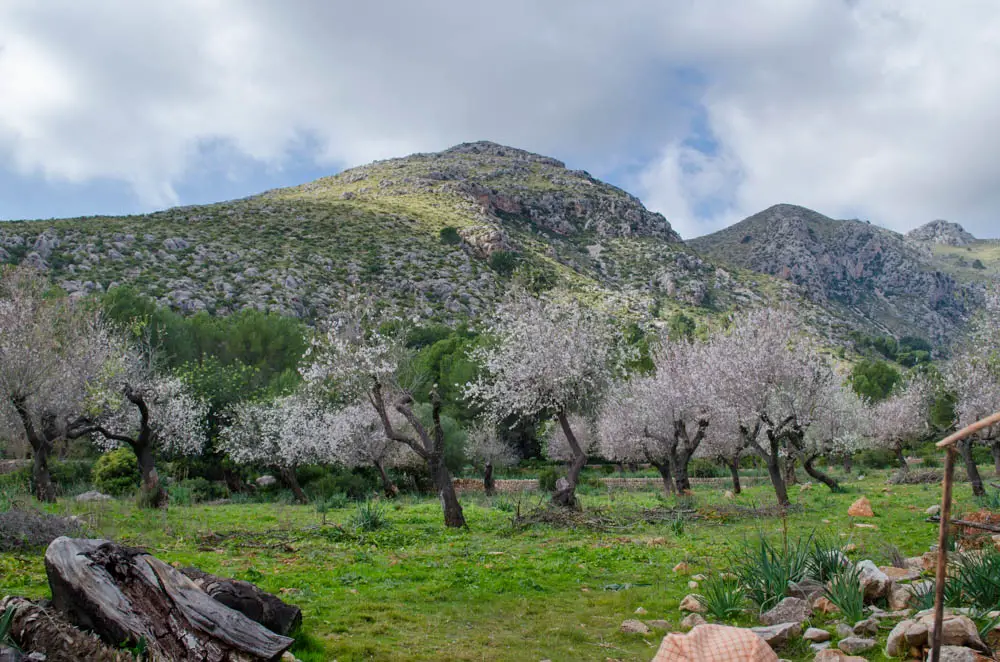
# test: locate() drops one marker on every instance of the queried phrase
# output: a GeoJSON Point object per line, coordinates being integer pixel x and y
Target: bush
{"type": "Point", "coordinates": [825, 560]}
{"type": "Point", "coordinates": [449, 235]}
{"type": "Point", "coordinates": [547, 479]}
{"type": "Point", "coordinates": [202, 489]}
{"type": "Point", "coordinates": [702, 468]}
{"type": "Point", "coordinates": [503, 262]}
{"type": "Point", "coordinates": [608, 469]}
{"type": "Point", "coordinates": [72, 472]}
{"type": "Point", "coordinates": [844, 590]}
{"type": "Point", "coordinates": [117, 472]}
{"type": "Point", "coordinates": [764, 569]}
{"type": "Point", "coordinates": [28, 529]}
{"type": "Point", "coordinates": [876, 459]}
{"type": "Point", "coordinates": [977, 578]}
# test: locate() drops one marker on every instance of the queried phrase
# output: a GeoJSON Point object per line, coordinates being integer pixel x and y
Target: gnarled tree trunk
{"type": "Point", "coordinates": [901, 458]}
{"type": "Point", "coordinates": [41, 447]}
{"type": "Point", "coordinates": [965, 449]}
{"type": "Point", "coordinates": [663, 467]}
{"type": "Point", "coordinates": [288, 475]}
{"type": "Point", "coordinates": [453, 515]}
{"type": "Point", "coordinates": [388, 487]}
{"type": "Point", "coordinates": [789, 466]}
{"type": "Point", "coordinates": [41, 630]}
{"type": "Point", "coordinates": [566, 497]}
{"type": "Point", "coordinates": [489, 485]}
{"type": "Point", "coordinates": [815, 473]}
{"type": "Point", "coordinates": [848, 461]}
{"type": "Point", "coordinates": [734, 472]}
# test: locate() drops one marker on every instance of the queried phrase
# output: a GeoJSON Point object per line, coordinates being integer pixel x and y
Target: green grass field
{"type": "Point", "coordinates": [414, 591]}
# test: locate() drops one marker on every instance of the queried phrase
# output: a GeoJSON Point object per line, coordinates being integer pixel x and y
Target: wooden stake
{"type": "Point", "coordinates": [942, 555]}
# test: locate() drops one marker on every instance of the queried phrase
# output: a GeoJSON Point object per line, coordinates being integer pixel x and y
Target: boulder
{"type": "Point", "coordinates": [844, 630]}
{"type": "Point", "coordinates": [266, 480]}
{"type": "Point", "coordinates": [823, 605]}
{"type": "Point", "coordinates": [853, 645]}
{"type": "Point", "coordinates": [817, 635]}
{"type": "Point", "coordinates": [900, 574]}
{"type": "Point", "coordinates": [874, 582]}
{"type": "Point", "coordinates": [903, 637]}
{"type": "Point", "coordinates": [899, 597]}
{"type": "Point", "coordinates": [869, 626]}
{"type": "Point", "coordinates": [961, 654]}
{"type": "Point", "coordinates": [659, 624]}
{"type": "Point", "coordinates": [789, 610]}
{"type": "Point", "coordinates": [692, 621]}
{"type": "Point", "coordinates": [91, 496]}
{"type": "Point", "coordinates": [834, 655]}
{"type": "Point", "coordinates": [632, 626]}
{"type": "Point", "coordinates": [690, 603]}
{"type": "Point", "coordinates": [682, 568]}
{"type": "Point", "coordinates": [861, 508]}
{"type": "Point", "coordinates": [933, 510]}
{"type": "Point", "coordinates": [778, 635]}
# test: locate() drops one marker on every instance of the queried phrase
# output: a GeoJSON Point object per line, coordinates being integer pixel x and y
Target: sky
{"type": "Point", "coordinates": [708, 110]}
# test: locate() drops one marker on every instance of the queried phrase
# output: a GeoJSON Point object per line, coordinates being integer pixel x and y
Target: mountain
{"type": "Point", "coordinates": [942, 232]}
{"type": "Point", "coordinates": [848, 265]}
{"type": "Point", "coordinates": [437, 236]}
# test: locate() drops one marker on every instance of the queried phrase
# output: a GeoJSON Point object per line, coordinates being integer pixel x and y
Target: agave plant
{"type": "Point", "coordinates": [764, 569]}
{"type": "Point", "coordinates": [844, 590]}
{"type": "Point", "coordinates": [722, 596]}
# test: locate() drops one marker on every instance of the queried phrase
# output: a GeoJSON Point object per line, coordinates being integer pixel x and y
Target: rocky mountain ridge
{"type": "Point", "coordinates": [942, 232]}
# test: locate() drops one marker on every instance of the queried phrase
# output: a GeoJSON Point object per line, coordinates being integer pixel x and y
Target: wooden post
{"type": "Point", "coordinates": [948, 444]}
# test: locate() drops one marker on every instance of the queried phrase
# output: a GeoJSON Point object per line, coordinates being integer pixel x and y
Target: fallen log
{"type": "Point", "coordinates": [127, 596]}
{"type": "Point", "coordinates": [34, 628]}
{"type": "Point", "coordinates": [257, 605]}
{"type": "Point", "coordinates": [936, 519]}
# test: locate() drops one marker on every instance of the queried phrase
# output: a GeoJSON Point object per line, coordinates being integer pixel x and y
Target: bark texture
{"type": "Point", "coordinates": [124, 595]}
{"type": "Point", "coordinates": [257, 605]}
{"type": "Point", "coordinates": [566, 497]}
{"type": "Point", "coordinates": [45, 631]}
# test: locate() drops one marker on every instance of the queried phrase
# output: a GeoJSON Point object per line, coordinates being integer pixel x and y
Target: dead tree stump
{"type": "Point", "coordinates": [41, 630]}
{"type": "Point", "coordinates": [257, 605]}
{"type": "Point", "coordinates": [125, 595]}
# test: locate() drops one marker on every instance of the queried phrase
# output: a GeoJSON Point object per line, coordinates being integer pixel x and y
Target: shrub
{"type": "Point", "coordinates": [547, 479]}
{"type": "Point", "coordinates": [722, 596]}
{"type": "Point", "coordinates": [449, 235]}
{"type": "Point", "coordinates": [202, 489]}
{"type": "Point", "coordinates": [370, 516]}
{"type": "Point", "coordinates": [29, 529]}
{"type": "Point", "coordinates": [503, 262]}
{"type": "Point", "coordinates": [608, 469]}
{"type": "Point", "coordinates": [844, 590]}
{"type": "Point", "coordinates": [876, 459]}
{"type": "Point", "coordinates": [702, 468]}
{"type": "Point", "coordinates": [116, 472]}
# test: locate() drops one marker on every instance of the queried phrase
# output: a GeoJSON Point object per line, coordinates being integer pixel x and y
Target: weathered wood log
{"type": "Point", "coordinates": [40, 630]}
{"type": "Point", "coordinates": [257, 605]}
{"type": "Point", "coordinates": [125, 595]}
{"type": "Point", "coordinates": [936, 519]}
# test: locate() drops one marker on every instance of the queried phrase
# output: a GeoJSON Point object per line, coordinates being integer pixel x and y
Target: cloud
{"type": "Point", "coordinates": [882, 109]}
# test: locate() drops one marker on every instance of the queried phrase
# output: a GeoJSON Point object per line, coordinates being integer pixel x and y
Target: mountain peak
{"type": "Point", "coordinates": [942, 232]}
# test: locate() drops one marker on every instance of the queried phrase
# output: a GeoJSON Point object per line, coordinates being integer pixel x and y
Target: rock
{"type": "Point", "coordinates": [659, 624]}
{"type": "Point", "coordinates": [288, 657]}
{"type": "Point", "coordinates": [899, 598]}
{"type": "Point", "coordinates": [816, 647]}
{"type": "Point", "coordinates": [899, 574]}
{"type": "Point", "coordinates": [847, 549]}
{"type": "Point", "coordinates": [692, 585]}
{"type": "Point", "coordinates": [789, 610]}
{"type": "Point", "coordinates": [92, 495]}
{"type": "Point", "coordinates": [868, 626]}
{"type": "Point", "coordinates": [816, 634]}
{"type": "Point", "coordinates": [682, 568]}
{"type": "Point", "coordinates": [834, 655]}
{"type": "Point", "coordinates": [692, 620]}
{"type": "Point", "coordinates": [933, 510]}
{"type": "Point", "coordinates": [874, 582]}
{"type": "Point", "coordinates": [844, 630]}
{"type": "Point", "coordinates": [861, 508]}
{"type": "Point", "coordinates": [823, 605]}
{"type": "Point", "coordinates": [778, 635]}
{"type": "Point", "coordinates": [632, 626]}
{"type": "Point", "coordinates": [903, 637]}
{"type": "Point", "coordinates": [266, 480]}
{"type": "Point", "coordinates": [961, 654]}
{"type": "Point", "coordinates": [807, 589]}
{"type": "Point", "coordinates": [690, 603]}
{"type": "Point", "coordinates": [699, 578]}
{"type": "Point", "coordinates": [853, 645]}
{"type": "Point", "coordinates": [639, 610]}
{"type": "Point", "coordinates": [728, 494]}
{"type": "Point", "coordinates": [175, 244]}
{"type": "Point", "coordinates": [958, 630]}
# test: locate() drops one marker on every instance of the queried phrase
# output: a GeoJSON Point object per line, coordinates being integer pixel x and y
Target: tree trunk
{"type": "Point", "coordinates": [388, 487]}
{"type": "Point", "coordinates": [153, 494]}
{"type": "Point", "coordinates": [901, 458]}
{"type": "Point", "coordinates": [125, 596]}
{"type": "Point", "coordinates": [680, 470]}
{"type": "Point", "coordinates": [288, 475]}
{"type": "Point", "coordinates": [777, 480]}
{"type": "Point", "coordinates": [965, 448]}
{"type": "Point", "coordinates": [40, 630]}
{"type": "Point", "coordinates": [734, 471]}
{"type": "Point", "coordinates": [668, 481]}
{"type": "Point", "coordinates": [453, 516]}
{"type": "Point", "coordinates": [489, 487]}
{"type": "Point", "coordinates": [566, 497]}
{"type": "Point", "coordinates": [40, 449]}
{"type": "Point", "coordinates": [848, 461]}
{"type": "Point", "coordinates": [790, 477]}
{"type": "Point", "coordinates": [995, 447]}
{"type": "Point", "coordinates": [822, 477]}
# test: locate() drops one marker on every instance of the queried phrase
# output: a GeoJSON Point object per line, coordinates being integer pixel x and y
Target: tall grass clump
{"type": "Point", "coordinates": [825, 560]}
{"type": "Point", "coordinates": [976, 578]}
{"type": "Point", "coordinates": [370, 516]}
{"type": "Point", "coordinates": [765, 569]}
{"type": "Point", "coordinates": [722, 596]}
{"type": "Point", "coordinates": [845, 592]}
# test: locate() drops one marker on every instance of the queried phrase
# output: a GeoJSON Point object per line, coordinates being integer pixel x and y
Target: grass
{"type": "Point", "coordinates": [415, 591]}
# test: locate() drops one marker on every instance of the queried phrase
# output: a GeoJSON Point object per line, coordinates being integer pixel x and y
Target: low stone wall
{"type": "Point", "coordinates": [512, 485]}
{"type": "Point", "coordinates": [10, 466]}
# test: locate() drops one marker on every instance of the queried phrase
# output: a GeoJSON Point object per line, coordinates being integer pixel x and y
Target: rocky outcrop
{"type": "Point", "coordinates": [942, 232]}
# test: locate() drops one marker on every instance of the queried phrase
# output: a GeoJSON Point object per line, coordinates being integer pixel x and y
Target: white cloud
{"type": "Point", "coordinates": [880, 108]}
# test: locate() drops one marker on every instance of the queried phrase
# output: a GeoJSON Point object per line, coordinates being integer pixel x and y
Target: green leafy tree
{"type": "Point", "coordinates": [874, 379]}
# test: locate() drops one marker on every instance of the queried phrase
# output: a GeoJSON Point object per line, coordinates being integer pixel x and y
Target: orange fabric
{"type": "Point", "coordinates": [715, 643]}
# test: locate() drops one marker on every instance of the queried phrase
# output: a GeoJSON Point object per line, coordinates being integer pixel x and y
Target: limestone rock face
{"type": "Point", "coordinates": [941, 232]}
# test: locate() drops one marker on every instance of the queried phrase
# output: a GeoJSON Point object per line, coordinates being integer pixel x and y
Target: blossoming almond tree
{"type": "Point", "coordinates": [358, 362]}
{"type": "Point", "coordinates": [148, 412]}
{"type": "Point", "coordinates": [771, 377]}
{"type": "Point", "coordinates": [548, 357]}
{"type": "Point", "coordinates": [283, 435]}
{"type": "Point", "coordinates": [487, 450]}
{"type": "Point", "coordinates": [840, 426]}
{"type": "Point", "coordinates": [902, 417]}
{"type": "Point", "coordinates": [51, 354]}
{"type": "Point", "coordinates": [360, 440]}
